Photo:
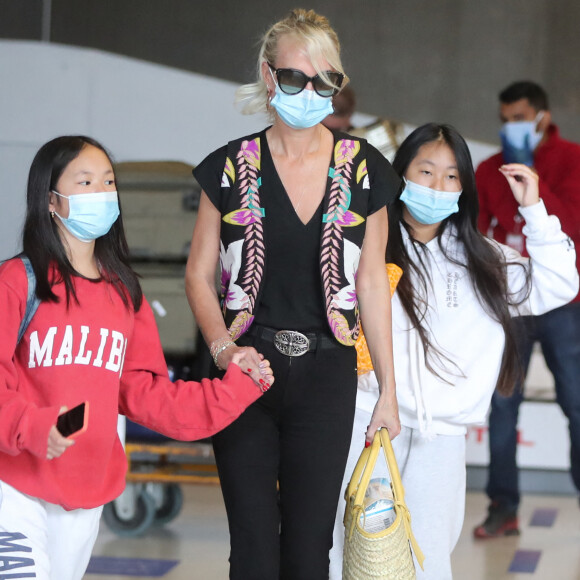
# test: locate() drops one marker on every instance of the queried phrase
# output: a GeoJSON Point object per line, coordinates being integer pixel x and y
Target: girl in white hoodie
{"type": "Point", "coordinates": [452, 339]}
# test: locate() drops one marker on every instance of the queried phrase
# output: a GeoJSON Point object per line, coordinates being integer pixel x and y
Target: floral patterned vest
{"type": "Point", "coordinates": [243, 251]}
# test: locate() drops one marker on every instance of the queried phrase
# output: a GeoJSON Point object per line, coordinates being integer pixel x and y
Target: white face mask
{"type": "Point", "coordinates": [427, 205]}
{"type": "Point", "coordinates": [520, 139]}
{"type": "Point", "coordinates": [302, 110]}
{"type": "Point", "coordinates": [91, 215]}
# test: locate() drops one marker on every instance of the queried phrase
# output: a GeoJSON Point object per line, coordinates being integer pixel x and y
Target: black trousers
{"type": "Point", "coordinates": [297, 437]}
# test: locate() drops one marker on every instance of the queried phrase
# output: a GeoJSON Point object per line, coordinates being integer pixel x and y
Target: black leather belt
{"type": "Point", "coordinates": [292, 342]}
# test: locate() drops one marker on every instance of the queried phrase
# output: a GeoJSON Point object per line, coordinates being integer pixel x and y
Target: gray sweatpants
{"type": "Point", "coordinates": [433, 474]}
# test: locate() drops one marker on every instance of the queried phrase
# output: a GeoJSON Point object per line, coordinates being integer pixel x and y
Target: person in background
{"type": "Point", "coordinates": [92, 340]}
{"type": "Point", "coordinates": [344, 106]}
{"type": "Point", "coordinates": [528, 136]}
{"type": "Point", "coordinates": [452, 339]}
{"type": "Point", "coordinates": [296, 215]}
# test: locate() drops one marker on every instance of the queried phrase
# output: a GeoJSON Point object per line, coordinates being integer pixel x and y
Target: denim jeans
{"type": "Point", "coordinates": [558, 333]}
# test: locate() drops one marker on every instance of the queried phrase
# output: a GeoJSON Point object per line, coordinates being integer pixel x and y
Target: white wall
{"type": "Point", "coordinates": [138, 110]}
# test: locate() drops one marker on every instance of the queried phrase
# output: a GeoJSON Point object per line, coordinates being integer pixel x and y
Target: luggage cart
{"type": "Point", "coordinates": [157, 466]}
{"type": "Point", "coordinates": [156, 469]}
{"type": "Point", "coordinates": [161, 200]}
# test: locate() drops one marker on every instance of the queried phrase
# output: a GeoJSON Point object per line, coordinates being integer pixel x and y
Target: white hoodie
{"type": "Point", "coordinates": [461, 329]}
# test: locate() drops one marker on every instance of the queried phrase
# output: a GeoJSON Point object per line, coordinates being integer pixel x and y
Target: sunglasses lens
{"type": "Point", "coordinates": [325, 90]}
{"type": "Point", "coordinates": [291, 81]}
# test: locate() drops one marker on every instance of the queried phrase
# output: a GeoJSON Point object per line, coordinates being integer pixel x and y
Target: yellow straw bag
{"type": "Point", "coordinates": [385, 555]}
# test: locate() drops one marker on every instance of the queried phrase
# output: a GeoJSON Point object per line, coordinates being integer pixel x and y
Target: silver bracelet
{"type": "Point", "coordinates": [217, 347]}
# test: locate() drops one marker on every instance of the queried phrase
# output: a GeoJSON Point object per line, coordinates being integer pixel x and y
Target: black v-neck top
{"type": "Point", "coordinates": [292, 296]}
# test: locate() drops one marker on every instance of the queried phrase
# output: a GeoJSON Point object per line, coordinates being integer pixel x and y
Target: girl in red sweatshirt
{"type": "Point", "coordinates": [92, 339]}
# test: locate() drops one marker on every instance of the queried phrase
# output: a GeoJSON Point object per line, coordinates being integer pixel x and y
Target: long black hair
{"type": "Point", "coordinates": [42, 243]}
{"type": "Point", "coordinates": [485, 263]}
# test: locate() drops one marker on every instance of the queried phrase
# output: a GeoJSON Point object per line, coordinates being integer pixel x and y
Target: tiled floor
{"type": "Point", "coordinates": [197, 540]}
{"type": "Point", "coordinates": [559, 544]}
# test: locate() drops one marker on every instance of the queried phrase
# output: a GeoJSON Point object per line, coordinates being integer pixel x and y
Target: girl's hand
{"type": "Point", "coordinates": [523, 181]}
{"type": "Point", "coordinates": [250, 361]}
{"type": "Point", "coordinates": [57, 444]}
{"type": "Point", "coordinates": [261, 374]}
{"type": "Point", "coordinates": [385, 414]}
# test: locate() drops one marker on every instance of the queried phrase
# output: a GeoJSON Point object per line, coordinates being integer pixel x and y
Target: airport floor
{"type": "Point", "coordinates": [194, 546]}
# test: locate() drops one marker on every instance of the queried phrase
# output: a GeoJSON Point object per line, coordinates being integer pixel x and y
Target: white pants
{"type": "Point", "coordinates": [42, 540]}
{"type": "Point", "coordinates": [433, 474]}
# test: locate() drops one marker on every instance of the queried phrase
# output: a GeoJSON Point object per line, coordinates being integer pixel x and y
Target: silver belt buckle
{"type": "Point", "coordinates": [291, 342]}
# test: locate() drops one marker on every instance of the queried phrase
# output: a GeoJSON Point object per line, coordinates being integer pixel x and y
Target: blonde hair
{"type": "Point", "coordinates": [310, 29]}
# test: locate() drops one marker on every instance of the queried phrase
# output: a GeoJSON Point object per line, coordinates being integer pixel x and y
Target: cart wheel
{"type": "Point", "coordinates": [140, 520]}
{"type": "Point", "coordinates": [170, 505]}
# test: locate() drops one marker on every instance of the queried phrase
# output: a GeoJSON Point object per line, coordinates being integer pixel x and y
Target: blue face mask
{"type": "Point", "coordinates": [303, 110]}
{"type": "Point", "coordinates": [519, 139]}
{"type": "Point", "coordinates": [429, 206]}
{"type": "Point", "coordinates": [91, 215]}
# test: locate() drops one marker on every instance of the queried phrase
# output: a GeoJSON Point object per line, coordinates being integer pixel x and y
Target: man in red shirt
{"type": "Point", "coordinates": [529, 136]}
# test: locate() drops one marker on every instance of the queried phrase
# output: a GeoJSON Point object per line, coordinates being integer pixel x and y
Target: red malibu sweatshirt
{"type": "Point", "coordinates": [104, 353]}
{"type": "Point", "coordinates": [557, 162]}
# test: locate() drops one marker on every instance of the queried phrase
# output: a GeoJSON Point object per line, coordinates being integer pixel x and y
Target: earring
{"type": "Point", "coordinates": [52, 214]}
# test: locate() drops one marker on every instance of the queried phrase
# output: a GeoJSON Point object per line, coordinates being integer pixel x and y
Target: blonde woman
{"type": "Point", "coordinates": [296, 216]}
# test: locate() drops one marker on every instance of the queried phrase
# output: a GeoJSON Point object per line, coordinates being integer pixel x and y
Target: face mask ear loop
{"type": "Point", "coordinates": [53, 213]}
{"type": "Point", "coordinates": [272, 75]}
{"type": "Point", "coordinates": [59, 194]}
{"type": "Point", "coordinates": [538, 120]}
{"type": "Point", "coordinates": [271, 96]}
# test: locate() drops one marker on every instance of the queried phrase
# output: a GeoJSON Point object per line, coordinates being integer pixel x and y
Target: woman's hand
{"type": "Point", "coordinates": [251, 362]}
{"type": "Point", "coordinates": [57, 444]}
{"type": "Point", "coordinates": [523, 181]}
{"type": "Point", "coordinates": [385, 414]}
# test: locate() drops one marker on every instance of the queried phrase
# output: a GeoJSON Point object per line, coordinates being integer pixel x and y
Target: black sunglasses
{"type": "Point", "coordinates": [292, 81]}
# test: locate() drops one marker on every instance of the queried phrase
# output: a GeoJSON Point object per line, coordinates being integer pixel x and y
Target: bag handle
{"type": "Point", "coordinates": [361, 477]}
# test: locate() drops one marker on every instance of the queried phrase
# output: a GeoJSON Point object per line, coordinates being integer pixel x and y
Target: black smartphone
{"type": "Point", "coordinates": [74, 421]}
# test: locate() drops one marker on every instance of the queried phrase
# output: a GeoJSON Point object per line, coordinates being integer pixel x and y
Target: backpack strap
{"type": "Point", "coordinates": [32, 301]}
